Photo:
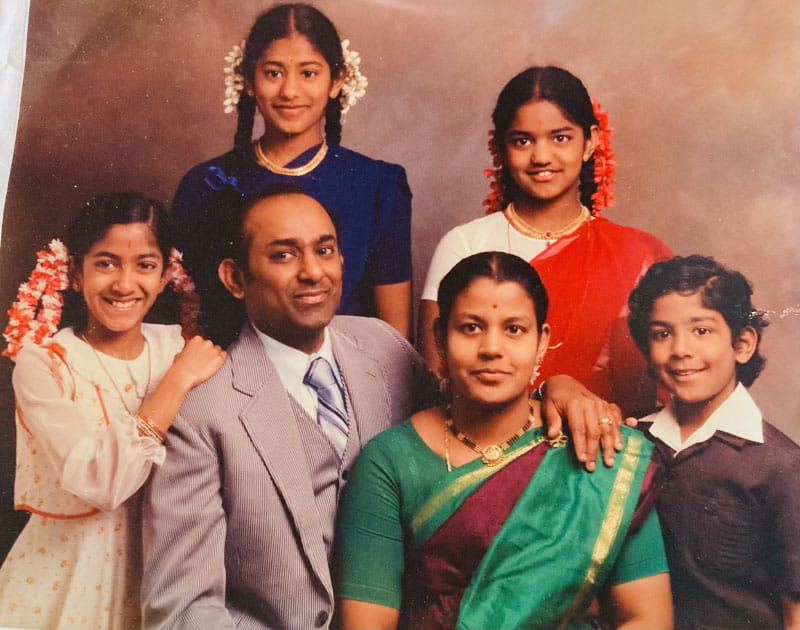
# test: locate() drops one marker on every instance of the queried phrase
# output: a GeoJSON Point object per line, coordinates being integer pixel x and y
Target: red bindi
{"type": "Point", "coordinates": [494, 305]}
{"type": "Point", "coordinates": [129, 244]}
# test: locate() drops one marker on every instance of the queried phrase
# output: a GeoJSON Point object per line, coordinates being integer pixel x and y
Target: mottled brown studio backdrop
{"type": "Point", "coordinates": [122, 94]}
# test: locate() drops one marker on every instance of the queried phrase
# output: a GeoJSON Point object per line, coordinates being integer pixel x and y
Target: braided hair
{"type": "Point", "coordinates": [561, 88]}
{"type": "Point", "coordinates": [281, 21]}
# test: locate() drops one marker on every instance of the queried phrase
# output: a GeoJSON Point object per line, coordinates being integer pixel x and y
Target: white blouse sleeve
{"type": "Point", "coordinates": [450, 250]}
{"type": "Point", "coordinates": [102, 462]}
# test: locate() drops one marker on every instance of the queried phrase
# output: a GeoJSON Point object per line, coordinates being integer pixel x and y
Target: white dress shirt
{"type": "Point", "coordinates": [292, 365]}
{"type": "Point", "coordinates": [738, 415]}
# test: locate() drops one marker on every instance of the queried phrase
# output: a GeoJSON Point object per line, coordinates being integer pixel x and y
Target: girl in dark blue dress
{"type": "Point", "coordinates": [296, 73]}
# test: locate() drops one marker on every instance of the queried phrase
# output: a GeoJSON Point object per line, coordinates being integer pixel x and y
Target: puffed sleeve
{"type": "Point", "coordinates": [189, 198]}
{"type": "Point", "coordinates": [450, 250]}
{"type": "Point", "coordinates": [99, 457]}
{"type": "Point", "coordinates": [390, 259]}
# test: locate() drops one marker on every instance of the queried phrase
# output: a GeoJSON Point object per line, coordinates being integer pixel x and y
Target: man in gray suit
{"type": "Point", "coordinates": [239, 520]}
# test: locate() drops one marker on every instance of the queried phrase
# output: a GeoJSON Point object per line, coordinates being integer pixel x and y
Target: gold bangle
{"type": "Point", "coordinates": [148, 427]}
{"type": "Point", "coordinates": [146, 431]}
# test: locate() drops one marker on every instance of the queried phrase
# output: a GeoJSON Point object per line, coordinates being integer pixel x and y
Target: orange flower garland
{"type": "Point", "coordinates": [494, 202]}
{"type": "Point", "coordinates": [604, 163]}
{"type": "Point", "coordinates": [36, 312]}
{"type": "Point", "coordinates": [28, 320]}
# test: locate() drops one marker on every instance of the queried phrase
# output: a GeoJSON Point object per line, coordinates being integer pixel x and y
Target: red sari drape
{"type": "Point", "coordinates": [588, 277]}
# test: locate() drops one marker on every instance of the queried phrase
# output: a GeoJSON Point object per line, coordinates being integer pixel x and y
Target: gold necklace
{"type": "Point", "coordinates": [268, 164]}
{"type": "Point", "coordinates": [491, 455]}
{"type": "Point", "coordinates": [522, 226]}
{"type": "Point", "coordinates": [111, 379]}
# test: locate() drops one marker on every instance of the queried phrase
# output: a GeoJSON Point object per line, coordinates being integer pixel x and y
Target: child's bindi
{"type": "Point", "coordinates": [130, 244]}
{"type": "Point", "coordinates": [494, 305]}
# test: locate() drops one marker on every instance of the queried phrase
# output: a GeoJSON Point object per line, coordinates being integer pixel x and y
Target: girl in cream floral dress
{"type": "Point", "coordinates": [93, 402]}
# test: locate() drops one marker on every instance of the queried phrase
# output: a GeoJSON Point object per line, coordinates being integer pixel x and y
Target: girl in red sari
{"type": "Point", "coordinates": [554, 168]}
{"type": "Point", "coordinates": [467, 516]}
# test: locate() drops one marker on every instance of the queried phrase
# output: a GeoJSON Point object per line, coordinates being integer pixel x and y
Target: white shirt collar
{"type": "Point", "coordinates": [292, 365]}
{"type": "Point", "coordinates": [738, 415]}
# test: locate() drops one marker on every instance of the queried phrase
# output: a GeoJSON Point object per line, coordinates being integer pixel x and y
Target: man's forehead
{"type": "Point", "coordinates": [289, 215]}
{"type": "Point", "coordinates": [299, 242]}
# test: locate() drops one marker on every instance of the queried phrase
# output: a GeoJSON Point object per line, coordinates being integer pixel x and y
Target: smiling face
{"type": "Point", "coordinates": [694, 355]}
{"type": "Point", "coordinates": [293, 282]}
{"type": "Point", "coordinates": [292, 84]}
{"type": "Point", "coordinates": [544, 152]}
{"type": "Point", "coordinates": [120, 277]}
{"type": "Point", "coordinates": [491, 343]}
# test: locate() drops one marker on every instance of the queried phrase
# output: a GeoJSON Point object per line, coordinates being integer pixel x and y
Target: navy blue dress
{"type": "Point", "coordinates": [369, 199]}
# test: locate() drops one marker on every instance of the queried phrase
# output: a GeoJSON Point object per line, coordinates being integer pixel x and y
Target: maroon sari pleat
{"type": "Point", "coordinates": [439, 571]}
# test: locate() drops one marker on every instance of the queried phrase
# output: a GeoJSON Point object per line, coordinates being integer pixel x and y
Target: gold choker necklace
{"type": "Point", "coordinates": [268, 164]}
{"type": "Point", "coordinates": [523, 227]}
{"type": "Point", "coordinates": [491, 455]}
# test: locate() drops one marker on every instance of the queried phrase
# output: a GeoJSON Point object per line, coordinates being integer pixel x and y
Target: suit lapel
{"type": "Point", "coordinates": [368, 400]}
{"type": "Point", "coordinates": [270, 423]}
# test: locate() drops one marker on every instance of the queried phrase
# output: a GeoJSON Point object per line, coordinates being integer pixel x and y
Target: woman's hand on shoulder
{"type": "Point", "coordinates": [199, 360]}
{"type": "Point", "coordinates": [593, 422]}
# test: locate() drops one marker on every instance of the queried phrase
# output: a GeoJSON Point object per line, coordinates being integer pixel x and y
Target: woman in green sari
{"type": "Point", "coordinates": [466, 516]}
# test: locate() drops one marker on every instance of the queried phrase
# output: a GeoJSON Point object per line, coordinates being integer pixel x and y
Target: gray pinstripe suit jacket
{"type": "Point", "coordinates": [232, 534]}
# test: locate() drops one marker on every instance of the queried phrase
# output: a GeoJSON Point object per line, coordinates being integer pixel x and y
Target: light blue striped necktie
{"type": "Point", "coordinates": [331, 414]}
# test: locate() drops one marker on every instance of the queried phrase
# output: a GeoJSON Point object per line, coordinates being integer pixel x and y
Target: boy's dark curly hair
{"type": "Point", "coordinates": [722, 290]}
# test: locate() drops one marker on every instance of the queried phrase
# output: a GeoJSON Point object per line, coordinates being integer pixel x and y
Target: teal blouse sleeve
{"type": "Point", "coordinates": [642, 554]}
{"type": "Point", "coordinates": [368, 555]}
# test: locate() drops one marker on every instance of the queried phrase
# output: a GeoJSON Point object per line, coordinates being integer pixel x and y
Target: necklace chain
{"type": "Point", "coordinates": [268, 164]}
{"type": "Point", "coordinates": [111, 379]}
{"type": "Point", "coordinates": [522, 226]}
{"type": "Point", "coordinates": [491, 455]}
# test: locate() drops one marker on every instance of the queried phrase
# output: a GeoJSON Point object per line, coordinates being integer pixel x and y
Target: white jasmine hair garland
{"type": "Point", "coordinates": [355, 83]}
{"type": "Point", "coordinates": [234, 81]}
{"type": "Point", "coordinates": [354, 87]}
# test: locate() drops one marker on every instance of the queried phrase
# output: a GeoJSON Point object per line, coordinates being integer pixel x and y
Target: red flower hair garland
{"type": "Point", "coordinates": [494, 201]}
{"type": "Point", "coordinates": [36, 312]}
{"type": "Point", "coordinates": [188, 300]}
{"type": "Point", "coordinates": [28, 320]}
{"type": "Point", "coordinates": [605, 167]}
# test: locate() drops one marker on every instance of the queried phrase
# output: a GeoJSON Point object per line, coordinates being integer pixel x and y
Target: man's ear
{"type": "Point", "coordinates": [231, 276]}
{"type": "Point", "coordinates": [745, 344]}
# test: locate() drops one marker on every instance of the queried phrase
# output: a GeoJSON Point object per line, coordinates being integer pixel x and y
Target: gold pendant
{"type": "Point", "coordinates": [492, 455]}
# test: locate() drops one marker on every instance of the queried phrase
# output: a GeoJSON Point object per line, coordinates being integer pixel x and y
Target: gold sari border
{"type": "Point", "coordinates": [609, 529]}
{"type": "Point", "coordinates": [432, 505]}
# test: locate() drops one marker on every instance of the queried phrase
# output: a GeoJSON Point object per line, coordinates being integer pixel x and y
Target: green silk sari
{"type": "Point", "coordinates": [525, 544]}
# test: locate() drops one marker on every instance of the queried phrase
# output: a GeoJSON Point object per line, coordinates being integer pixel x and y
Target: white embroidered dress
{"type": "Point", "coordinates": [80, 463]}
